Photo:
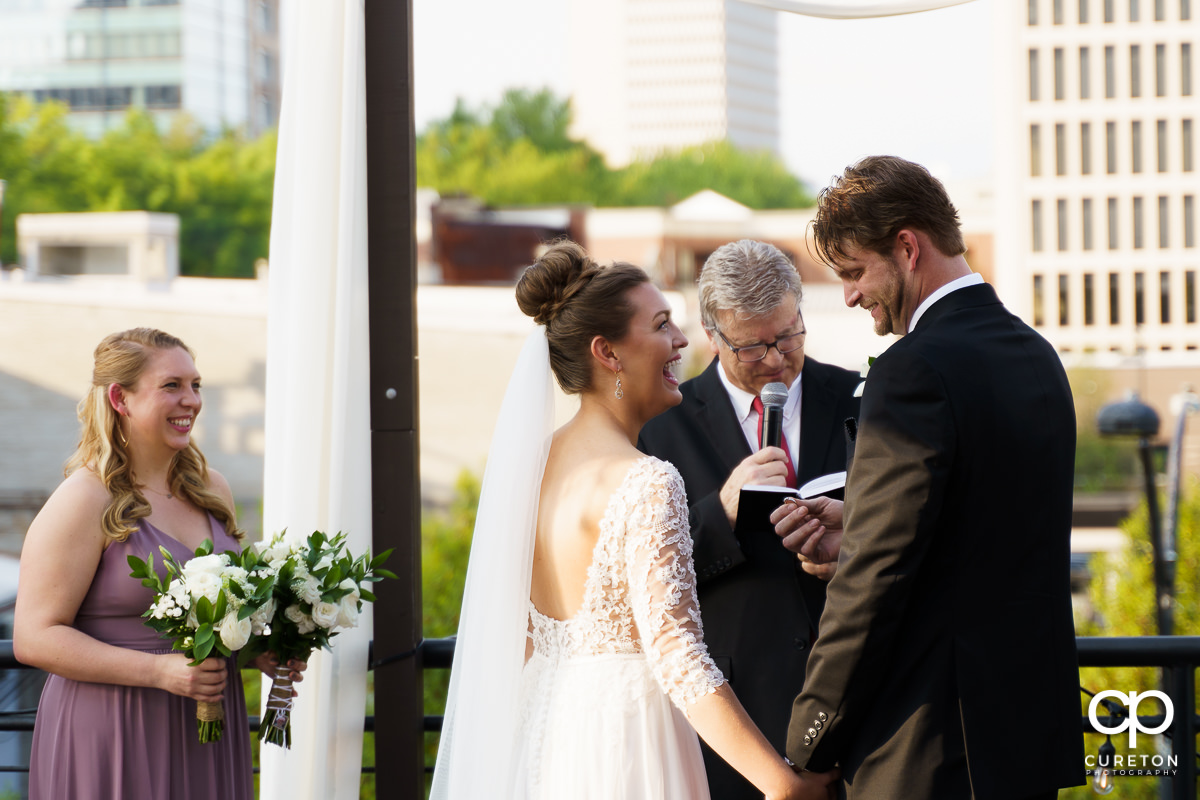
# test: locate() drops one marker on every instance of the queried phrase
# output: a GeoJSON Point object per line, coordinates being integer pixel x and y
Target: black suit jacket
{"type": "Point", "coordinates": [759, 608]}
{"type": "Point", "coordinates": [946, 663]}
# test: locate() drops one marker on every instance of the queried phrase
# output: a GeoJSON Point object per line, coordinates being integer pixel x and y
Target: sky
{"type": "Point", "coordinates": [917, 86]}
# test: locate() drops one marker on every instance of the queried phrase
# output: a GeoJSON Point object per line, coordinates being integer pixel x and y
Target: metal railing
{"type": "Point", "coordinates": [1178, 656]}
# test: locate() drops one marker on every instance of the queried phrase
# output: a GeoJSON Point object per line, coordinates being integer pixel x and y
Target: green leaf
{"type": "Point", "coordinates": [385, 573]}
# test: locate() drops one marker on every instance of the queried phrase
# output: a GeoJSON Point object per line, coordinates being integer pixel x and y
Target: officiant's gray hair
{"type": "Point", "coordinates": [748, 278]}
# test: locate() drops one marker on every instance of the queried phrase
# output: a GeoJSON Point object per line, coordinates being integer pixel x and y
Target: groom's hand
{"type": "Point", "coordinates": [810, 528]}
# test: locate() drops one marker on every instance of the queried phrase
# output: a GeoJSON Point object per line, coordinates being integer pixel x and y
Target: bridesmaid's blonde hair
{"type": "Point", "coordinates": [121, 358]}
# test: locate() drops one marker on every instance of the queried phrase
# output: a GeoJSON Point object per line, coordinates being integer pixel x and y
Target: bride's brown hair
{"type": "Point", "coordinates": [121, 358]}
{"type": "Point", "coordinates": [577, 299]}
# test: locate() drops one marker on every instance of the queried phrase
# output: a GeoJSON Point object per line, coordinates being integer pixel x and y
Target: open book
{"type": "Point", "coordinates": [757, 501]}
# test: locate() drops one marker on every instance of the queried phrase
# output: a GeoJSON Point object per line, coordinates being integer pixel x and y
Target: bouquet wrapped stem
{"type": "Point", "coordinates": [210, 720]}
{"type": "Point", "coordinates": [276, 722]}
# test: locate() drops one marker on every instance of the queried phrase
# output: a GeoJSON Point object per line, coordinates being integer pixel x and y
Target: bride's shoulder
{"type": "Point", "coordinates": [649, 470]}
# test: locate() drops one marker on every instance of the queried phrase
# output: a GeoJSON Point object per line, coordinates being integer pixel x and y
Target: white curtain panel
{"type": "Point", "coordinates": [856, 9]}
{"type": "Point", "coordinates": [317, 461]}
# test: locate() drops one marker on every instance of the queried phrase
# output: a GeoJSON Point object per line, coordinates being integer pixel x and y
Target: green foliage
{"type": "Point", "coordinates": [221, 189]}
{"type": "Point", "coordinates": [520, 153]}
{"type": "Point", "coordinates": [445, 545]}
{"type": "Point", "coordinates": [1122, 598]}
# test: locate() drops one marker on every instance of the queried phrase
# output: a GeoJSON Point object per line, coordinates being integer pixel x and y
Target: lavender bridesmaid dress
{"type": "Point", "coordinates": [96, 741]}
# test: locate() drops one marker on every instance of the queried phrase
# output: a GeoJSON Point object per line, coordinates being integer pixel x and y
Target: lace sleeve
{"type": "Point", "coordinates": [662, 588]}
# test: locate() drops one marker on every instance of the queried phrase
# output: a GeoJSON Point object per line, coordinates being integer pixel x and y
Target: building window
{"type": "Point", "coordinates": [1110, 72]}
{"type": "Point", "coordinates": [1164, 222]}
{"type": "Point", "coordinates": [1135, 70]}
{"type": "Point", "coordinates": [1110, 147]}
{"type": "Point", "coordinates": [1189, 296]}
{"type": "Point", "coordinates": [1139, 213]}
{"type": "Point", "coordinates": [1113, 238]}
{"type": "Point", "coordinates": [1135, 146]}
{"type": "Point", "coordinates": [1088, 236]}
{"type": "Point", "coordinates": [1033, 75]}
{"type": "Point", "coordinates": [1110, 13]}
{"type": "Point", "coordinates": [1160, 70]}
{"type": "Point", "coordinates": [1185, 146]}
{"type": "Point", "coordinates": [1033, 4]}
{"type": "Point", "coordinates": [1064, 316]}
{"type": "Point", "coordinates": [1135, 11]}
{"type": "Point", "coordinates": [1083, 11]}
{"type": "Point", "coordinates": [1164, 297]}
{"type": "Point", "coordinates": [1161, 144]}
{"type": "Point", "coordinates": [1035, 150]}
{"type": "Point", "coordinates": [1060, 78]}
{"type": "Point", "coordinates": [1185, 9]}
{"type": "Point", "coordinates": [1139, 298]}
{"type": "Point", "coordinates": [1060, 149]}
{"type": "Point", "coordinates": [1114, 298]}
{"type": "Point", "coordinates": [1058, 12]}
{"type": "Point", "coordinates": [1189, 220]}
{"type": "Point", "coordinates": [1085, 148]}
{"type": "Point", "coordinates": [1185, 69]}
{"type": "Point", "coordinates": [1085, 72]}
{"type": "Point", "coordinates": [1061, 214]}
{"type": "Point", "coordinates": [1089, 300]}
{"type": "Point", "coordinates": [163, 96]}
{"type": "Point", "coordinates": [1160, 10]}
{"type": "Point", "coordinates": [1039, 306]}
{"type": "Point", "coordinates": [1036, 211]}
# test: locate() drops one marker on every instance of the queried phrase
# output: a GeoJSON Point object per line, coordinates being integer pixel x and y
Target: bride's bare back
{"type": "Point", "coordinates": [582, 472]}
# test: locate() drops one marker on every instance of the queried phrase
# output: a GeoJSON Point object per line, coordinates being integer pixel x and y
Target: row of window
{"type": "Point", "coordinates": [123, 45]}
{"type": "Point", "coordinates": [1163, 148]}
{"type": "Point", "coordinates": [1087, 223]}
{"type": "Point", "coordinates": [1091, 295]}
{"type": "Point", "coordinates": [112, 98]}
{"type": "Point", "coordinates": [1108, 8]}
{"type": "Point", "coordinates": [1084, 57]}
{"type": "Point", "coordinates": [124, 3]}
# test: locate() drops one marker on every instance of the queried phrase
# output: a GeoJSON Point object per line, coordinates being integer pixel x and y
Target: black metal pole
{"type": "Point", "coordinates": [1162, 590]}
{"type": "Point", "coordinates": [395, 485]}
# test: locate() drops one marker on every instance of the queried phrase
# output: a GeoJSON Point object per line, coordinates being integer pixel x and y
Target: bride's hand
{"type": "Point", "coordinates": [810, 786]}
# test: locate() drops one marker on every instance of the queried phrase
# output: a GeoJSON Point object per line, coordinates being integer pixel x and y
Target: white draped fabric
{"type": "Point", "coordinates": [317, 460]}
{"type": "Point", "coordinates": [856, 9]}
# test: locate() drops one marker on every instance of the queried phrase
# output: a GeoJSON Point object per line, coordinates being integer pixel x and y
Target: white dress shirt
{"type": "Point", "coordinates": [958, 283]}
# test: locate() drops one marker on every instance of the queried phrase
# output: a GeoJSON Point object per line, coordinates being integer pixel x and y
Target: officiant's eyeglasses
{"type": "Point", "coordinates": [757, 352]}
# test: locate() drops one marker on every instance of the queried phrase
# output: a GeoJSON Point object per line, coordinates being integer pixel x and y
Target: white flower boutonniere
{"type": "Point", "coordinates": [863, 373]}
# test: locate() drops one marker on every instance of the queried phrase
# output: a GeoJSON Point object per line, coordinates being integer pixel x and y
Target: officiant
{"type": "Point", "coordinates": [761, 604]}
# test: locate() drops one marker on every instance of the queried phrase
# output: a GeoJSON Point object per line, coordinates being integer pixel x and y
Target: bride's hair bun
{"type": "Point", "coordinates": [577, 299]}
{"type": "Point", "coordinates": [554, 280]}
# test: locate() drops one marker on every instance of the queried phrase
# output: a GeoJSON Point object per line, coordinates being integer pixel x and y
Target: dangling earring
{"type": "Point", "coordinates": [619, 393]}
{"type": "Point", "coordinates": [121, 435]}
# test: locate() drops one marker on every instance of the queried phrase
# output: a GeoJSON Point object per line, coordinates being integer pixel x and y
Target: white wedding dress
{"type": "Point", "coordinates": [601, 697]}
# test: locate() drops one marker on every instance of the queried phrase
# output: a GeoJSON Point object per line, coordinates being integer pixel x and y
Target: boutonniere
{"type": "Point", "coordinates": [863, 373]}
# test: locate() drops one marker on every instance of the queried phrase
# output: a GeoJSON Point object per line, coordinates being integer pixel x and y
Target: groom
{"type": "Point", "coordinates": [946, 665]}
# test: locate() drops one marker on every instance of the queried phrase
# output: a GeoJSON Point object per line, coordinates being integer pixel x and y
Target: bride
{"type": "Point", "coordinates": [580, 668]}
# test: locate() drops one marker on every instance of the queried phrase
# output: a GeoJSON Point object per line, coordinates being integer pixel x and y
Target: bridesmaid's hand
{"type": "Point", "coordinates": [203, 682]}
{"type": "Point", "coordinates": [268, 661]}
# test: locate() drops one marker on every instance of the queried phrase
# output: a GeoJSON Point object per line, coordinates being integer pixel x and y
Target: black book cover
{"type": "Point", "coordinates": [757, 501]}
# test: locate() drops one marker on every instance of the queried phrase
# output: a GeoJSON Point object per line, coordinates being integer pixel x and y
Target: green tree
{"type": "Point", "coordinates": [1121, 596]}
{"type": "Point", "coordinates": [1101, 464]}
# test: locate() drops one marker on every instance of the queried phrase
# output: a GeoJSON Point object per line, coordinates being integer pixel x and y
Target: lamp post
{"type": "Point", "coordinates": [1132, 417]}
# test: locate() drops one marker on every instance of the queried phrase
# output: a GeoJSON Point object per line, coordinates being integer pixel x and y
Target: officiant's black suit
{"type": "Point", "coordinates": [946, 666]}
{"type": "Point", "coordinates": [759, 608]}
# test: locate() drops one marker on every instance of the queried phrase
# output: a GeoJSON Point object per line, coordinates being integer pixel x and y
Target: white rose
{"type": "Point", "coordinates": [325, 614]}
{"type": "Point", "coordinates": [204, 584]}
{"type": "Point", "coordinates": [262, 616]}
{"type": "Point", "coordinates": [235, 632]}
{"type": "Point", "coordinates": [307, 626]}
{"type": "Point", "coordinates": [211, 564]}
{"type": "Point", "coordinates": [348, 613]}
{"type": "Point", "coordinates": [294, 614]}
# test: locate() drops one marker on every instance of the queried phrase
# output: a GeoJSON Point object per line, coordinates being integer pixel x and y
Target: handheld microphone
{"type": "Point", "coordinates": [773, 397]}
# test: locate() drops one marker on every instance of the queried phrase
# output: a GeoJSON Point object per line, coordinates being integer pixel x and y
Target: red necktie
{"type": "Point", "coordinates": [791, 471]}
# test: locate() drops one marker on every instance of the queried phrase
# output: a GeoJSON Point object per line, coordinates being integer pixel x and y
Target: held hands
{"type": "Point", "coordinates": [203, 682]}
{"type": "Point", "coordinates": [812, 529]}
{"type": "Point", "coordinates": [767, 466]}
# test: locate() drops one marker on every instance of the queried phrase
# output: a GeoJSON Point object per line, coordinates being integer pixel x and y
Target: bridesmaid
{"type": "Point", "coordinates": [117, 718]}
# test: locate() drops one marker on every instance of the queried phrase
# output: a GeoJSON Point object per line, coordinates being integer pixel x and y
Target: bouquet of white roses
{"type": "Point", "coordinates": [318, 590]}
{"type": "Point", "coordinates": [211, 603]}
